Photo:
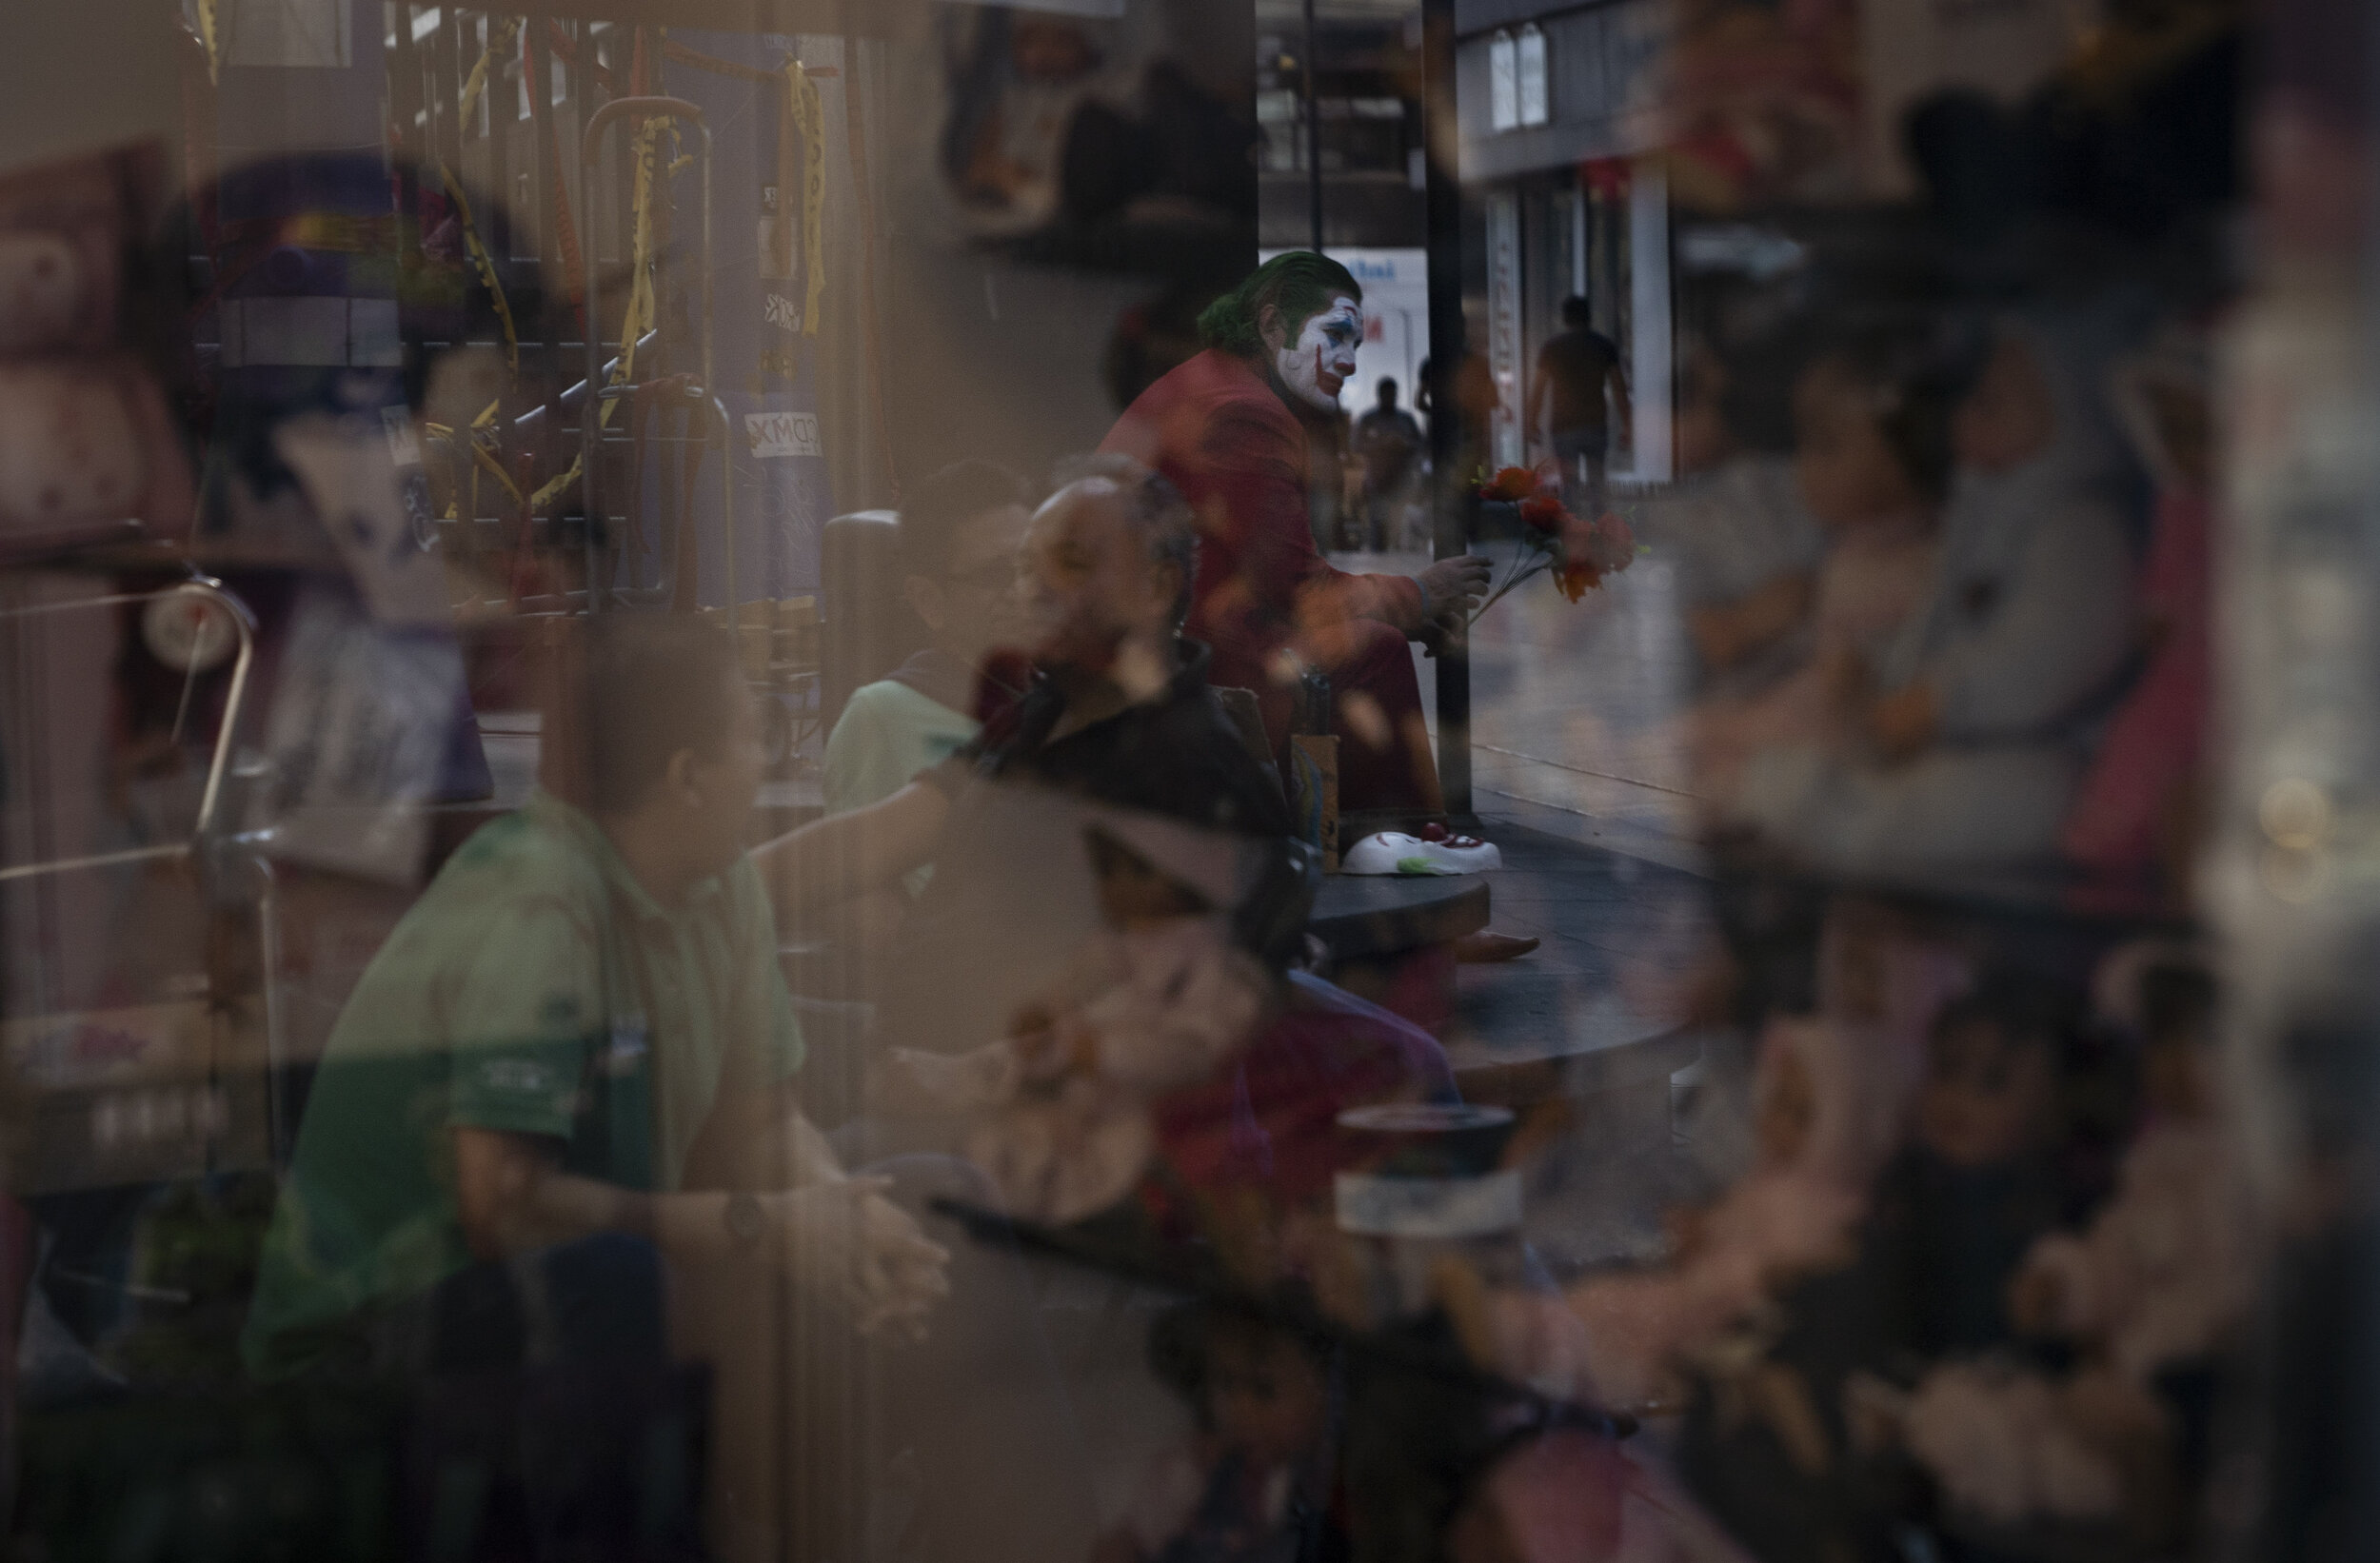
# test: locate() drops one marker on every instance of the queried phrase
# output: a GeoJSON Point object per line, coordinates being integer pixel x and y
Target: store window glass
{"type": "Point", "coordinates": [1186, 781]}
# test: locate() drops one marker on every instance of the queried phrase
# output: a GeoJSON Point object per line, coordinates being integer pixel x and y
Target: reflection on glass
{"type": "Point", "coordinates": [1155, 782]}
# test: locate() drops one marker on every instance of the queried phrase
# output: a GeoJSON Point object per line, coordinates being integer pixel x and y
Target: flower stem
{"type": "Point", "coordinates": [1544, 563]}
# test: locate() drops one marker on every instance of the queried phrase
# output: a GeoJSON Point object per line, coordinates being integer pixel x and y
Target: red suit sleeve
{"type": "Point", "coordinates": [1256, 469]}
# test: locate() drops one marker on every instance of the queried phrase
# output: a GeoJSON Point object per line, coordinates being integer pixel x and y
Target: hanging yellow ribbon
{"type": "Point", "coordinates": [486, 461]}
{"type": "Point", "coordinates": [806, 114]}
{"type": "Point", "coordinates": [639, 316]}
{"type": "Point", "coordinates": [499, 43]}
{"type": "Point", "coordinates": [479, 439]}
{"type": "Point", "coordinates": [210, 37]}
{"type": "Point", "coordinates": [484, 266]}
{"type": "Point", "coordinates": [466, 102]}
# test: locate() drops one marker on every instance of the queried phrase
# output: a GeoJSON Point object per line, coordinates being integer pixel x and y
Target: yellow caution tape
{"type": "Point", "coordinates": [465, 103]}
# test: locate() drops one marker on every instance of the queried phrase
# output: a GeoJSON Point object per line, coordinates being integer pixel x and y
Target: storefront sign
{"type": "Point", "coordinates": [783, 434]}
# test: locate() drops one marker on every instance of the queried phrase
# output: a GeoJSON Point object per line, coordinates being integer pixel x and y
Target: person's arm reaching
{"type": "Point", "coordinates": [830, 861]}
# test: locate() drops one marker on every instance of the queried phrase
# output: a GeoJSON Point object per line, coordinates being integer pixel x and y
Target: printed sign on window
{"type": "Point", "coordinates": [783, 434]}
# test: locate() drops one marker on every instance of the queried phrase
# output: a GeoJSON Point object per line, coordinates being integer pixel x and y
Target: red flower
{"type": "Point", "coordinates": [1577, 577]}
{"type": "Point", "coordinates": [1610, 545]}
{"type": "Point", "coordinates": [1543, 513]}
{"type": "Point", "coordinates": [1512, 483]}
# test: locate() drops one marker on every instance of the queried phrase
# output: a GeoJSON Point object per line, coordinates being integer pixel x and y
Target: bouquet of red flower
{"type": "Point", "coordinates": [1579, 553]}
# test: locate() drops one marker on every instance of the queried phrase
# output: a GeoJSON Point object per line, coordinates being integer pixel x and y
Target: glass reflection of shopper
{"type": "Point", "coordinates": [1250, 1485]}
{"type": "Point", "coordinates": [1873, 463]}
{"type": "Point", "coordinates": [1742, 546]}
{"type": "Point", "coordinates": [961, 533]}
{"type": "Point", "coordinates": [1974, 743]}
{"type": "Point", "coordinates": [1120, 709]}
{"type": "Point", "coordinates": [1576, 368]}
{"type": "Point", "coordinates": [569, 1063]}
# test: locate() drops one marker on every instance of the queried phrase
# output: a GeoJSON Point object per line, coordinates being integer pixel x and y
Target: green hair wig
{"type": "Point", "coordinates": [1298, 283]}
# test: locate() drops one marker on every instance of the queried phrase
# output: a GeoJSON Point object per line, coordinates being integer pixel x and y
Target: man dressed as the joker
{"type": "Point", "coordinates": [1225, 430]}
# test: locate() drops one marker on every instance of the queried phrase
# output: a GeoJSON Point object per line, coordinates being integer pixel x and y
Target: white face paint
{"type": "Point", "coordinates": [1324, 357]}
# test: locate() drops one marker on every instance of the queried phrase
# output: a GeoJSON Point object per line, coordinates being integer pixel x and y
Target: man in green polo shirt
{"type": "Point", "coordinates": [567, 1065]}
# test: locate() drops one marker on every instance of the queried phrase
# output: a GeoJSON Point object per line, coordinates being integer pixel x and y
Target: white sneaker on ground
{"type": "Point", "coordinates": [1393, 852]}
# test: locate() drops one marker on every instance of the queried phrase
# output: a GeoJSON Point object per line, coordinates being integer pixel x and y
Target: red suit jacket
{"type": "Point", "coordinates": [1221, 434]}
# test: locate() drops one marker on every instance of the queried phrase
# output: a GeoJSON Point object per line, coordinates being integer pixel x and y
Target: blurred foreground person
{"type": "Point", "coordinates": [1968, 753]}
{"type": "Point", "coordinates": [1092, 981]}
{"type": "Point", "coordinates": [1872, 424]}
{"type": "Point", "coordinates": [569, 1065]}
{"type": "Point", "coordinates": [961, 533]}
{"type": "Point", "coordinates": [2140, 812]}
{"type": "Point", "coordinates": [1745, 547]}
{"type": "Point", "coordinates": [1119, 710]}
{"type": "Point", "coordinates": [1120, 722]}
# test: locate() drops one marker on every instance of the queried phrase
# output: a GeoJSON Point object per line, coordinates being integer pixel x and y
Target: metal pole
{"type": "Point", "coordinates": [1314, 137]}
{"type": "Point", "coordinates": [1449, 484]}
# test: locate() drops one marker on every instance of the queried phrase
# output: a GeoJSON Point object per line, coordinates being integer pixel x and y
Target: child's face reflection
{"type": "Point", "coordinates": [1266, 1397]}
{"type": "Point", "coordinates": [1987, 1095]}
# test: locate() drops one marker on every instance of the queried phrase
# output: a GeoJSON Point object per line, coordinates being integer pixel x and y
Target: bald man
{"type": "Point", "coordinates": [1120, 710]}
